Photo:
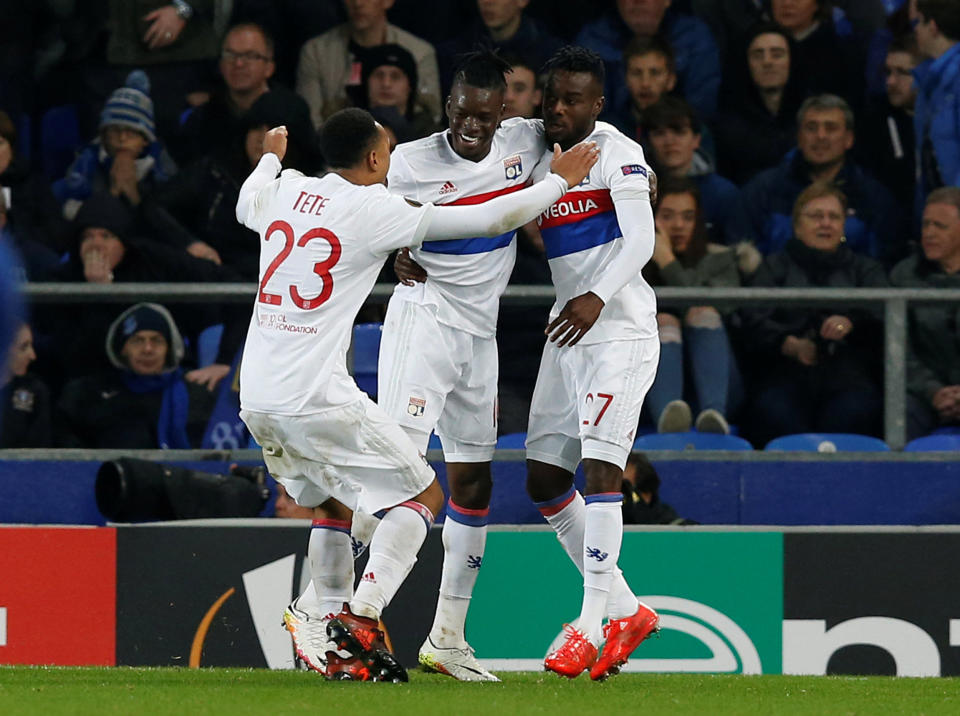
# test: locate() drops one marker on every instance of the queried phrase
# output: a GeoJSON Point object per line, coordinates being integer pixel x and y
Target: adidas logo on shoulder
{"type": "Point", "coordinates": [448, 188]}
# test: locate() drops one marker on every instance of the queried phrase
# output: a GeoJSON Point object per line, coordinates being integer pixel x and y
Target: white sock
{"type": "Point", "coordinates": [567, 515]}
{"type": "Point", "coordinates": [602, 535]}
{"type": "Point", "coordinates": [331, 568]}
{"type": "Point", "coordinates": [361, 531]}
{"type": "Point", "coordinates": [464, 539]}
{"type": "Point", "coordinates": [393, 552]}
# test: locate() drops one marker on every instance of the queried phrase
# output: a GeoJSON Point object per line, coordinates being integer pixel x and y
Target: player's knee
{"type": "Point", "coordinates": [432, 498]}
{"type": "Point", "coordinates": [546, 482]}
{"type": "Point", "coordinates": [332, 510]}
{"type": "Point", "coordinates": [602, 476]}
{"type": "Point", "coordinates": [470, 484]}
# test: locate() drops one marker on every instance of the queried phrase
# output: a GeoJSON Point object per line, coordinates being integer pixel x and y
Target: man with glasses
{"type": "Point", "coordinates": [246, 65]}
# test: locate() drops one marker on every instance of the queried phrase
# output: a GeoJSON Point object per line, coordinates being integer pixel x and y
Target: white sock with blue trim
{"type": "Point", "coordinates": [602, 535]}
{"type": "Point", "coordinates": [464, 540]}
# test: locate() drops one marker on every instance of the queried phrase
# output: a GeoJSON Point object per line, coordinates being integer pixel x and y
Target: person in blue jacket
{"type": "Point", "coordinates": [937, 118]}
{"type": "Point", "coordinates": [698, 62]}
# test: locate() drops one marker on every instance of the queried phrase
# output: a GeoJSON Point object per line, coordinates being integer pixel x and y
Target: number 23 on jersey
{"type": "Point", "coordinates": [321, 268]}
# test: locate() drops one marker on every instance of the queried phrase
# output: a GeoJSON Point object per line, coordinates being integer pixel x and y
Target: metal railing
{"type": "Point", "coordinates": [894, 301]}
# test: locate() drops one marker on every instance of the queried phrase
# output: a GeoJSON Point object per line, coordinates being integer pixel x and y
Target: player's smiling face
{"type": "Point", "coordinates": [474, 117]}
{"type": "Point", "coordinates": [571, 103]}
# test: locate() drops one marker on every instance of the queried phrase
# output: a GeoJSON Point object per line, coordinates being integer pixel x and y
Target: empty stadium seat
{"type": "Point", "coordinates": [828, 442]}
{"type": "Point", "coordinates": [512, 441]}
{"type": "Point", "coordinates": [935, 443]}
{"type": "Point", "coordinates": [690, 441]}
{"type": "Point", "coordinates": [366, 351]}
{"type": "Point", "coordinates": [208, 344]}
{"type": "Point", "coordinates": [59, 140]}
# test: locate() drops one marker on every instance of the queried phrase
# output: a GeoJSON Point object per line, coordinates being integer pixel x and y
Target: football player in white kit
{"type": "Point", "coordinates": [598, 363]}
{"type": "Point", "coordinates": [438, 366]}
{"type": "Point", "coordinates": [323, 242]}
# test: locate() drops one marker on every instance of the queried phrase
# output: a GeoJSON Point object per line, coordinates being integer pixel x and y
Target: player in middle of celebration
{"type": "Point", "coordinates": [598, 363]}
{"type": "Point", "coordinates": [438, 365]}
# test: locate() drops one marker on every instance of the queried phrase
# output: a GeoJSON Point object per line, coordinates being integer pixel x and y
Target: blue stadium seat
{"type": "Point", "coordinates": [690, 441]}
{"type": "Point", "coordinates": [512, 441]}
{"type": "Point", "coordinates": [828, 442]}
{"type": "Point", "coordinates": [935, 443]}
{"type": "Point", "coordinates": [366, 351]}
{"type": "Point", "coordinates": [59, 140]}
{"type": "Point", "coordinates": [208, 344]}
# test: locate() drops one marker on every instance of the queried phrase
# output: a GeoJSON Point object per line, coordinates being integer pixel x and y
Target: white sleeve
{"type": "Point", "coordinates": [496, 216]}
{"type": "Point", "coordinates": [251, 201]}
{"type": "Point", "coordinates": [395, 222]}
{"type": "Point", "coordinates": [400, 178]}
{"type": "Point", "coordinates": [635, 217]}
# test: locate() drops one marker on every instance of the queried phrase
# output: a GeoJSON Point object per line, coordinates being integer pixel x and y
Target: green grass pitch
{"type": "Point", "coordinates": [59, 690]}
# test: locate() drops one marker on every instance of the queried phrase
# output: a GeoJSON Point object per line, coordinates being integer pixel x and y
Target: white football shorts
{"type": "Point", "coordinates": [587, 400]}
{"type": "Point", "coordinates": [353, 453]}
{"type": "Point", "coordinates": [434, 377]}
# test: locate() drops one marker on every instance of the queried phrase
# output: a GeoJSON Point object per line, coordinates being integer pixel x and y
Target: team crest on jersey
{"type": "Point", "coordinates": [415, 406]}
{"type": "Point", "coordinates": [628, 169]}
{"type": "Point", "coordinates": [512, 168]}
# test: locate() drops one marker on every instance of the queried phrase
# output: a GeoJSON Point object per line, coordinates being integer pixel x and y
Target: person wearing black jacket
{"type": "Point", "coordinates": [105, 252]}
{"type": "Point", "coordinates": [24, 398]}
{"type": "Point", "coordinates": [815, 369]}
{"type": "Point", "coordinates": [143, 401]}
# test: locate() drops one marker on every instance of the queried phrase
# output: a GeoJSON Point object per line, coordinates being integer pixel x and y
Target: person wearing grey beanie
{"type": "Point", "coordinates": [126, 159]}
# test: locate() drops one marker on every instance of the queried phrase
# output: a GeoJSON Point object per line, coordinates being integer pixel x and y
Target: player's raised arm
{"type": "Point", "coordinates": [510, 211]}
{"type": "Point", "coordinates": [274, 149]}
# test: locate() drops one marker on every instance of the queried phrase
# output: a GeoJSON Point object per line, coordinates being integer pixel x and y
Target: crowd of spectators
{"type": "Point", "coordinates": [798, 143]}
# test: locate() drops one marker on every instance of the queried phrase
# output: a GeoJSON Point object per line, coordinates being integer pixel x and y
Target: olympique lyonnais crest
{"type": "Point", "coordinates": [415, 406]}
{"type": "Point", "coordinates": [512, 167]}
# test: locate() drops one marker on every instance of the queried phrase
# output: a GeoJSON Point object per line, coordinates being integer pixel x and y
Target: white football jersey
{"type": "Point", "coordinates": [582, 238]}
{"type": "Point", "coordinates": [322, 244]}
{"type": "Point", "coordinates": [466, 277]}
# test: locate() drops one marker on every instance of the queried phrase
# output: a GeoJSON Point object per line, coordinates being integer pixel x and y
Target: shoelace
{"type": "Point", "coordinates": [575, 643]}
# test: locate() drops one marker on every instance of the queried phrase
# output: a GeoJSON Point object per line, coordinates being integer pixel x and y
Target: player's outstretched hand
{"type": "Point", "coordinates": [575, 163]}
{"type": "Point", "coordinates": [275, 142]}
{"type": "Point", "coordinates": [408, 271]}
{"type": "Point", "coordinates": [576, 318]}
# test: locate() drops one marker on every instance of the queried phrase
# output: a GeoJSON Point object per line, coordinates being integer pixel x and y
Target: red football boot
{"type": "Point", "coordinates": [574, 656]}
{"type": "Point", "coordinates": [622, 637]}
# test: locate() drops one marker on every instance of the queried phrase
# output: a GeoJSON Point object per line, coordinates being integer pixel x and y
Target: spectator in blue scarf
{"type": "Point", "coordinates": [144, 403]}
{"type": "Point", "coordinates": [126, 159]}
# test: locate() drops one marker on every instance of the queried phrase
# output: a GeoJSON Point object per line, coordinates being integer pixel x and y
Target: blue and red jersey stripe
{"type": "Point", "coordinates": [478, 245]}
